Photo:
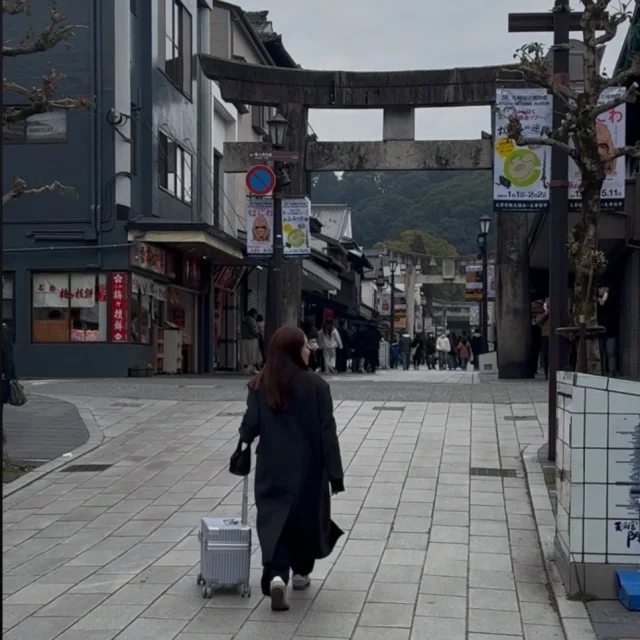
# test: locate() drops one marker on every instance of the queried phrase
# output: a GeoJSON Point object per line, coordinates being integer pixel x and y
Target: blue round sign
{"type": "Point", "coordinates": [260, 180]}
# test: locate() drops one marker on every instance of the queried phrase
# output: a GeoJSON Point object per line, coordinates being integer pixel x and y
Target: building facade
{"type": "Point", "coordinates": [145, 269]}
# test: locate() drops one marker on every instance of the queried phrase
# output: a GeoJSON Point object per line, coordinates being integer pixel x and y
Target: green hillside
{"type": "Point", "coordinates": [443, 204]}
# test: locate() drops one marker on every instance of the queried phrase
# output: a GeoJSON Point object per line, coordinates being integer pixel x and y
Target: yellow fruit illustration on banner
{"type": "Point", "coordinates": [523, 168]}
{"type": "Point", "coordinates": [287, 228]}
{"type": "Point", "coordinates": [296, 238]}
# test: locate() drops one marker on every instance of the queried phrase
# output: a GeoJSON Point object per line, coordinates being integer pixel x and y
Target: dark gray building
{"type": "Point", "coordinates": [120, 277]}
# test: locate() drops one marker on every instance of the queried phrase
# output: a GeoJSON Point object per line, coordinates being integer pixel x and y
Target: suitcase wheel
{"type": "Point", "coordinates": [246, 591]}
{"type": "Point", "coordinates": [200, 580]}
{"type": "Point", "coordinates": [207, 592]}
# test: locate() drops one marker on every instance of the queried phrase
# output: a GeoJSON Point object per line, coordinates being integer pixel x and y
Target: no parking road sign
{"type": "Point", "coordinates": [260, 180]}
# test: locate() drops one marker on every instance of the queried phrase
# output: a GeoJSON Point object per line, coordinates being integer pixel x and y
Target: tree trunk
{"type": "Point", "coordinates": [513, 305]}
{"type": "Point", "coordinates": [588, 263]}
{"type": "Point", "coordinates": [297, 115]}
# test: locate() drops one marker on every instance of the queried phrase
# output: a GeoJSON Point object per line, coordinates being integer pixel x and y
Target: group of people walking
{"type": "Point", "coordinates": [447, 351]}
{"type": "Point", "coordinates": [338, 349]}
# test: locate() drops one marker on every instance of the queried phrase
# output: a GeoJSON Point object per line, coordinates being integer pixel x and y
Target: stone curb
{"type": "Point", "coordinates": [96, 437]}
{"type": "Point", "coordinates": [573, 614]}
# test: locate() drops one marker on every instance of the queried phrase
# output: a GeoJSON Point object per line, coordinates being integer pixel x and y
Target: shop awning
{"type": "Point", "coordinates": [319, 279]}
{"type": "Point", "coordinates": [196, 237]}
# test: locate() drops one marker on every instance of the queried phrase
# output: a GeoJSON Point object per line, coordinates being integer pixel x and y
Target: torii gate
{"type": "Point", "coordinates": [399, 93]}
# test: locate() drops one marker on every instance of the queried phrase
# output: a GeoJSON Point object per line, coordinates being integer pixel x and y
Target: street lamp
{"type": "Point", "coordinates": [278, 127]}
{"type": "Point", "coordinates": [485, 225]}
{"type": "Point", "coordinates": [393, 265]}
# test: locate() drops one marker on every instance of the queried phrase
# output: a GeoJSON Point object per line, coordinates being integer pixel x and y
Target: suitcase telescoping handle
{"type": "Point", "coordinates": [245, 500]}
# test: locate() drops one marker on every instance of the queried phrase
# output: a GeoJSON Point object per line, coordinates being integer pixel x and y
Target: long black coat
{"type": "Point", "coordinates": [297, 455]}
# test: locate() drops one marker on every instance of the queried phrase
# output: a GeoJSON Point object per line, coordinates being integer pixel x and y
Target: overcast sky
{"type": "Point", "coordinates": [372, 35]}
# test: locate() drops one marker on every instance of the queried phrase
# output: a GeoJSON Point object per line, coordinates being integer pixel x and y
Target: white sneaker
{"type": "Point", "coordinates": [300, 583]}
{"type": "Point", "coordinates": [278, 592]}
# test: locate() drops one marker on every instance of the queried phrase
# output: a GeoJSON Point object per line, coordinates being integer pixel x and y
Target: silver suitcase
{"type": "Point", "coordinates": [225, 551]}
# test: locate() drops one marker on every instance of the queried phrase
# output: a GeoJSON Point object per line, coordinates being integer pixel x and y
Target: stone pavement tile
{"type": "Point", "coordinates": [370, 531]}
{"type": "Point", "coordinates": [265, 631]}
{"type": "Point", "coordinates": [386, 615]}
{"type": "Point", "coordinates": [328, 625]}
{"type": "Point", "coordinates": [444, 567]}
{"type": "Point", "coordinates": [404, 557]}
{"type": "Point", "coordinates": [441, 606]}
{"type": "Point", "coordinates": [539, 613]}
{"type": "Point", "coordinates": [532, 592]}
{"type": "Point", "coordinates": [399, 573]}
{"type": "Point", "coordinates": [400, 540]}
{"type": "Point", "coordinates": [449, 534]}
{"type": "Point", "coordinates": [339, 601]}
{"type": "Point", "coordinates": [493, 599]}
{"type": "Point", "coordinates": [83, 634]}
{"type": "Point", "coordinates": [220, 620]}
{"type": "Point", "coordinates": [37, 594]}
{"type": "Point", "coordinates": [407, 524]}
{"type": "Point", "coordinates": [202, 636]}
{"type": "Point", "coordinates": [447, 586]}
{"type": "Point", "coordinates": [449, 628]}
{"type": "Point", "coordinates": [348, 580]}
{"type": "Point", "coordinates": [13, 583]}
{"type": "Point", "coordinates": [363, 548]}
{"type": "Point", "coordinates": [391, 592]}
{"type": "Point", "coordinates": [12, 614]}
{"type": "Point", "coordinates": [489, 544]}
{"type": "Point", "coordinates": [175, 607]}
{"type": "Point", "coordinates": [380, 633]}
{"type": "Point", "coordinates": [109, 617]}
{"type": "Point", "coordinates": [480, 579]}
{"type": "Point", "coordinates": [486, 621]}
{"type": "Point", "coordinates": [451, 518]}
{"type": "Point", "coordinates": [541, 632]}
{"type": "Point", "coordinates": [38, 629]}
{"type": "Point", "coordinates": [137, 594]}
{"type": "Point", "coordinates": [101, 583]}
{"type": "Point", "coordinates": [490, 561]}
{"type": "Point", "coordinates": [488, 528]}
{"type": "Point", "coordinates": [491, 636]}
{"type": "Point", "coordinates": [360, 564]}
{"type": "Point", "coordinates": [72, 605]}
{"type": "Point", "coordinates": [150, 629]}
{"type": "Point", "coordinates": [298, 611]}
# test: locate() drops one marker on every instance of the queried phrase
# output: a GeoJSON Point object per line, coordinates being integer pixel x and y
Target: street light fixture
{"type": "Point", "coordinates": [485, 225]}
{"type": "Point", "coordinates": [278, 127]}
{"type": "Point", "coordinates": [393, 265]}
{"type": "Point", "coordinates": [380, 279]}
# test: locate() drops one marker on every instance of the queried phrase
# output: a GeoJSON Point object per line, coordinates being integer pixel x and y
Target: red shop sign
{"type": "Point", "coordinates": [119, 308]}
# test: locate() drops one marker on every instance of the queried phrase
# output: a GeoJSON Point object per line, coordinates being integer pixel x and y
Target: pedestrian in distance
{"type": "Point", "coordinates": [298, 467]}
{"type": "Point", "coordinates": [331, 342]}
{"type": "Point", "coordinates": [463, 350]}
{"type": "Point", "coordinates": [405, 350]}
{"type": "Point", "coordinates": [443, 347]}
{"type": "Point", "coordinates": [418, 350]}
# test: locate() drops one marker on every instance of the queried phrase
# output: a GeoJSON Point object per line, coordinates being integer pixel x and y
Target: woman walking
{"type": "Point", "coordinates": [330, 342]}
{"type": "Point", "coordinates": [298, 465]}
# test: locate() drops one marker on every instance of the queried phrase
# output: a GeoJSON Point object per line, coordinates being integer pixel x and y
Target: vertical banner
{"type": "Point", "coordinates": [521, 175]}
{"type": "Point", "coordinates": [259, 226]}
{"type": "Point", "coordinates": [295, 227]}
{"type": "Point", "coordinates": [119, 311]}
{"type": "Point", "coordinates": [473, 285]}
{"type": "Point", "coordinates": [611, 133]}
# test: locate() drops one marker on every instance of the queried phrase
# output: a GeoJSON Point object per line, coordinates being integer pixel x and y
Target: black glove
{"type": "Point", "coordinates": [337, 486]}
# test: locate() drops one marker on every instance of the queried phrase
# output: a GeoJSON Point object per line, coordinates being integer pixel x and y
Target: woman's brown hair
{"type": "Point", "coordinates": [284, 363]}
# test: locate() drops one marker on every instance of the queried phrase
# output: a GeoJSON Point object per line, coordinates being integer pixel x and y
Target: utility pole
{"type": "Point", "coordinates": [274, 281]}
{"type": "Point", "coordinates": [561, 22]}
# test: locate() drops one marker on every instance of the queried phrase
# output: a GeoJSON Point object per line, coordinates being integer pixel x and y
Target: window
{"type": "Point", "coordinates": [217, 188]}
{"type": "Point", "coordinates": [177, 45]}
{"type": "Point", "coordinates": [48, 127]}
{"type": "Point", "coordinates": [259, 117]}
{"type": "Point", "coordinates": [175, 165]}
{"type": "Point", "coordinates": [7, 302]}
{"type": "Point", "coordinates": [69, 307]}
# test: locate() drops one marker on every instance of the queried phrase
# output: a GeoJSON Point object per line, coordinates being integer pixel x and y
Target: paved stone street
{"type": "Point", "coordinates": [43, 429]}
{"type": "Point", "coordinates": [434, 548]}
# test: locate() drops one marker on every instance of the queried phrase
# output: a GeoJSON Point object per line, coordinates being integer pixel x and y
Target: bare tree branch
{"type": "Point", "coordinates": [19, 190]}
{"type": "Point", "coordinates": [54, 33]}
{"type": "Point", "coordinates": [514, 131]}
{"type": "Point", "coordinates": [631, 151]}
{"type": "Point", "coordinates": [39, 100]}
{"type": "Point", "coordinates": [620, 79]}
{"type": "Point", "coordinates": [629, 95]}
